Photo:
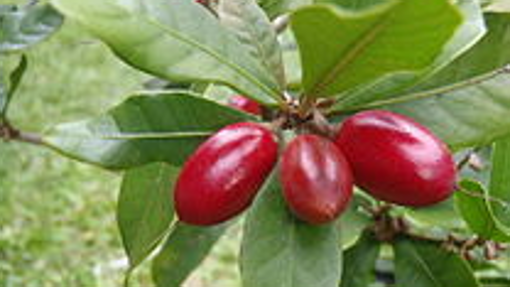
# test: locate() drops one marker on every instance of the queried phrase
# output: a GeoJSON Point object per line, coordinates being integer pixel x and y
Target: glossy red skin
{"type": "Point", "coordinates": [222, 177]}
{"type": "Point", "coordinates": [245, 104]}
{"type": "Point", "coordinates": [397, 159]}
{"type": "Point", "coordinates": [316, 179]}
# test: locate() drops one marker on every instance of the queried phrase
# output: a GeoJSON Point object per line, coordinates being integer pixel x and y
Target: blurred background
{"type": "Point", "coordinates": [57, 216]}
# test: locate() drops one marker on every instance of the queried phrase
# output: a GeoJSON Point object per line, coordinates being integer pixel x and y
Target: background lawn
{"type": "Point", "coordinates": [57, 217]}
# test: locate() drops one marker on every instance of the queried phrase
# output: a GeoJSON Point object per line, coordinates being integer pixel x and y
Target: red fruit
{"type": "Point", "coordinates": [316, 179]}
{"type": "Point", "coordinates": [245, 104]}
{"type": "Point", "coordinates": [396, 159]}
{"type": "Point", "coordinates": [222, 177]}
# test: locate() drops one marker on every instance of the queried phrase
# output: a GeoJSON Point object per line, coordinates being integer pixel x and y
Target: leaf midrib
{"type": "Point", "coordinates": [362, 43]}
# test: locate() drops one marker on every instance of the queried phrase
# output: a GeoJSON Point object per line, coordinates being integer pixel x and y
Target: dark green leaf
{"type": "Point", "coordinates": [472, 204]}
{"type": "Point", "coordinates": [184, 250]}
{"type": "Point", "coordinates": [359, 262]}
{"type": "Point", "coordinates": [254, 30]}
{"type": "Point", "coordinates": [341, 50]}
{"type": "Point", "coordinates": [499, 189]}
{"type": "Point", "coordinates": [7, 90]}
{"type": "Point", "coordinates": [426, 264]}
{"type": "Point", "coordinates": [145, 209]}
{"type": "Point", "coordinates": [21, 28]}
{"type": "Point", "coordinates": [177, 40]}
{"type": "Point", "coordinates": [280, 250]}
{"type": "Point", "coordinates": [164, 127]}
{"type": "Point", "coordinates": [397, 85]}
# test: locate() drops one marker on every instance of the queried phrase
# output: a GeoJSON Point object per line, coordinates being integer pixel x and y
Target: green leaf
{"type": "Point", "coordinates": [274, 8]}
{"type": "Point", "coordinates": [280, 250]}
{"type": "Point", "coordinates": [397, 85]}
{"type": "Point", "coordinates": [184, 250]}
{"type": "Point", "coordinates": [450, 114]}
{"type": "Point", "coordinates": [145, 209]}
{"type": "Point", "coordinates": [426, 264]}
{"type": "Point", "coordinates": [354, 221]}
{"type": "Point", "coordinates": [499, 188]}
{"type": "Point", "coordinates": [8, 89]}
{"type": "Point", "coordinates": [153, 127]}
{"type": "Point", "coordinates": [359, 262]}
{"type": "Point", "coordinates": [24, 26]}
{"type": "Point", "coordinates": [472, 204]}
{"type": "Point", "coordinates": [254, 30]}
{"type": "Point", "coordinates": [341, 50]}
{"type": "Point", "coordinates": [177, 40]}
{"type": "Point", "coordinates": [441, 215]}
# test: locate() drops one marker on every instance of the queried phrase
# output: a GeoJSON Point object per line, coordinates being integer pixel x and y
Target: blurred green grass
{"type": "Point", "coordinates": [57, 217]}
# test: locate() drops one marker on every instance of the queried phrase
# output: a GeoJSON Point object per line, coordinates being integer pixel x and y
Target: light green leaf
{"type": "Point", "coordinates": [156, 127]}
{"type": "Point", "coordinates": [499, 188]}
{"type": "Point", "coordinates": [450, 114]}
{"type": "Point", "coordinates": [341, 50]}
{"type": "Point", "coordinates": [472, 204]}
{"type": "Point", "coordinates": [274, 8]}
{"type": "Point", "coordinates": [426, 264]}
{"type": "Point", "coordinates": [254, 30]}
{"type": "Point", "coordinates": [441, 215]}
{"type": "Point", "coordinates": [8, 88]}
{"type": "Point", "coordinates": [145, 209]}
{"type": "Point", "coordinates": [359, 262]}
{"type": "Point", "coordinates": [280, 250]}
{"type": "Point", "coordinates": [354, 221]}
{"type": "Point", "coordinates": [24, 26]}
{"type": "Point", "coordinates": [184, 250]}
{"type": "Point", "coordinates": [177, 40]}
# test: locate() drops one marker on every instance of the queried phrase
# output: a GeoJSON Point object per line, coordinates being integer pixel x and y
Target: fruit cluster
{"type": "Point", "coordinates": [390, 156]}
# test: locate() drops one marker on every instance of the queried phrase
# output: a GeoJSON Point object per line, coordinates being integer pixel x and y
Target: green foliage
{"type": "Point", "coordinates": [359, 262]}
{"type": "Point", "coordinates": [499, 183]}
{"type": "Point", "coordinates": [177, 40]}
{"type": "Point", "coordinates": [9, 87]}
{"type": "Point", "coordinates": [341, 50]}
{"type": "Point", "coordinates": [472, 203]}
{"type": "Point", "coordinates": [184, 250]}
{"type": "Point", "coordinates": [160, 126]}
{"type": "Point", "coordinates": [254, 30]}
{"type": "Point", "coordinates": [280, 250]}
{"type": "Point", "coordinates": [25, 26]}
{"type": "Point", "coordinates": [426, 264]}
{"type": "Point", "coordinates": [144, 211]}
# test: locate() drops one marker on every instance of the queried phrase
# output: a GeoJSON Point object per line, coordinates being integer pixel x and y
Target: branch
{"type": "Point", "coordinates": [9, 133]}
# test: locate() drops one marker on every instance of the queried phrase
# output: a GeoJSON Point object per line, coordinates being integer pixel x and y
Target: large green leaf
{"type": "Point", "coordinates": [9, 87]}
{"type": "Point", "coordinates": [441, 215]}
{"type": "Point", "coordinates": [25, 26]}
{"type": "Point", "coordinates": [359, 262]}
{"type": "Point", "coordinates": [280, 250]}
{"type": "Point", "coordinates": [341, 50]}
{"type": "Point", "coordinates": [500, 183]}
{"type": "Point", "coordinates": [145, 209]}
{"type": "Point", "coordinates": [450, 113]}
{"type": "Point", "coordinates": [254, 30]}
{"type": "Point", "coordinates": [472, 204]}
{"type": "Point", "coordinates": [399, 84]}
{"type": "Point", "coordinates": [426, 264]}
{"type": "Point", "coordinates": [164, 127]}
{"type": "Point", "coordinates": [177, 40]}
{"type": "Point", "coordinates": [354, 220]}
{"type": "Point", "coordinates": [184, 250]}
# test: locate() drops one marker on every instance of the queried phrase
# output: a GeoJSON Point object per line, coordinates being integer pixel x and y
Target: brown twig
{"type": "Point", "coordinates": [9, 133]}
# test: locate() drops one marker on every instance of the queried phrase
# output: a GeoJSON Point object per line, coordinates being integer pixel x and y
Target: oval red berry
{"type": "Point", "coordinates": [316, 178]}
{"type": "Point", "coordinates": [245, 104]}
{"type": "Point", "coordinates": [223, 176]}
{"type": "Point", "coordinates": [397, 159]}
